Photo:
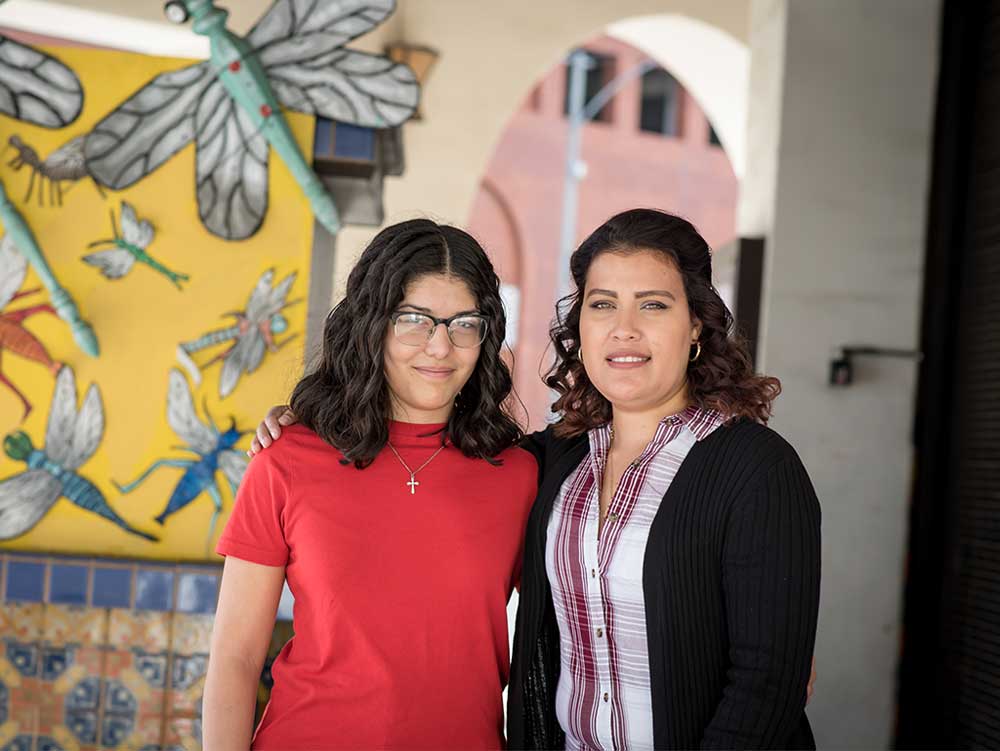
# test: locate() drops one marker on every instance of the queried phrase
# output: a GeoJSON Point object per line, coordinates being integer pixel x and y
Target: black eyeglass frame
{"type": "Point", "coordinates": [437, 322]}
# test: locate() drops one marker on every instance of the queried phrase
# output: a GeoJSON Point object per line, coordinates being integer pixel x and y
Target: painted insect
{"type": "Point", "coordinates": [65, 164]}
{"type": "Point", "coordinates": [231, 106]}
{"type": "Point", "coordinates": [71, 438]}
{"type": "Point", "coordinates": [127, 248]}
{"type": "Point", "coordinates": [252, 334]}
{"type": "Point", "coordinates": [36, 88]}
{"type": "Point", "coordinates": [14, 337]}
{"type": "Point", "coordinates": [214, 449]}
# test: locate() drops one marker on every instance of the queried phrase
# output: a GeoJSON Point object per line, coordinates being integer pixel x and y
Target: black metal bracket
{"type": "Point", "coordinates": [842, 365]}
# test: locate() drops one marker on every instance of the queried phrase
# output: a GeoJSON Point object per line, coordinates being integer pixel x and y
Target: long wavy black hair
{"type": "Point", "coordinates": [345, 399]}
{"type": "Point", "coordinates": [720, 378]}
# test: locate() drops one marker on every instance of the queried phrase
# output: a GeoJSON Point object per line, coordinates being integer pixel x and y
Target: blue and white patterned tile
{"type": "Point", "coordinates": [54, 661]}
{"type": "Point", "coordinates": [153, 668]}
{"type": "Point", "coordinates": [116, 728]}
{"type": "Point", "coordinates": [118, 698]}
{"type": "Point", "coordinates": [83, 726]}
{"type": "Point", "coordinates": [85, 695]}
{"type": "Point", "coordinates": [24, 658]}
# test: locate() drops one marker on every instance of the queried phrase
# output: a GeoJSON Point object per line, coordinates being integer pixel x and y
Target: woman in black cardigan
{"type": "Point", "coordinates": [728, 565]}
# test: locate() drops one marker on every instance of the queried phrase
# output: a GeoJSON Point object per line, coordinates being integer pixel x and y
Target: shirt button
{"type": "Point", "coordinates": [635, 464]}
{"type": "Point", "coordinates": [593, 573]}
{"type": "Point", "coordinates": [612, 517]}
{"type": "Point", "coordinates": [600, 632]}
{"type": "Point", "coordinates": [605, 696]}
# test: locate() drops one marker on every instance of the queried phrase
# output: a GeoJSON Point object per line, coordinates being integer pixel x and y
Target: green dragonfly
{"type": "Point", "coordinates": [127, 248]}
{"type": "Point", "coordinates": [231, 104]}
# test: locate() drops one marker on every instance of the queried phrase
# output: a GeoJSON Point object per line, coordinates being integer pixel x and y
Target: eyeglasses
{"type": "Point", "coordinates": [415, 329]}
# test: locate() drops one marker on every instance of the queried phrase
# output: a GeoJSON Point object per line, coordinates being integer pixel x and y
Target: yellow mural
{"type": "Point", "coordinates": [151, 324]}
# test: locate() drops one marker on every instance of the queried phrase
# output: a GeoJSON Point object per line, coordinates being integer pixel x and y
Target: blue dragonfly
{"type": "Point", "coordinates": [71, 438]}
{"type": "Point", "coordinates": [214, 449]}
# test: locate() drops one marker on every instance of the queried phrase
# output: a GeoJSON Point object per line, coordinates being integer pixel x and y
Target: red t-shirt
{"type": "Point", "coordinates": [400, 599]}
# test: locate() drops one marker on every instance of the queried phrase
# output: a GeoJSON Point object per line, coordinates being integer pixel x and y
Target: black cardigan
{"type": "Point", "coordinates": [731, 583]}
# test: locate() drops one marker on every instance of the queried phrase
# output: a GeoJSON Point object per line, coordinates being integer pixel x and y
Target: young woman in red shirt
{"type": "Point", "coordinates": [401, 545]}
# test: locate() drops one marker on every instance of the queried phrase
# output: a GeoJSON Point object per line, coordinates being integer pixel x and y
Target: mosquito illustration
{"type": "Point", "coordinates": [65, 164]}
{"type": "Point", "coordinates": [14, 337]}
{"type": "Point", "coordinates": [71, 438]}
{"type": "Point", "coordinates": [251, 335]}
{"type": "Point", "coordinates": [127, 248]}
{"type": "Point", "coordinates": [231, 104]}
{"type": "Point", "coordinates": [213, 447]}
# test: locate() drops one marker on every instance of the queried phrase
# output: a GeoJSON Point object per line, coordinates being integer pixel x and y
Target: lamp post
{"type": "Point", "coordinates": [580, 111]}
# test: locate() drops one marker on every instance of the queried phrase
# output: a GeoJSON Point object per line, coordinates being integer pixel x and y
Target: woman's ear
{"type": "Point", "coordinates": [695, 329]}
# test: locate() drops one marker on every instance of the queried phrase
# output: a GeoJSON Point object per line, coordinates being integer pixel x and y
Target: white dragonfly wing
{"type": "Point", "coordinates": [139, 233]}
{"type": "Point", "coordinates": [301, 29]}
{"type": "Point", "coordinates": [255, 352]}
{"type": "Point", "coordinates": [36, 87]}
{"type": "Point", "coordinates": [277, 297]}
{"type": "Point", "coordinates": [182, 417]}
{"type": "Point", "coordinates": [24, 500]}
{"type": "Point", "coordinates": [347, 86]}
{"type": "Point", "coordinates": [13, 267]}
{"type": "Point", "coordinates": [236, 363]}
{"type": "Point", "coordinates": [231, 167]}
{"type": "Point", "coordinates": [149, 127]}
{"type": "Point", "coordinates": [62, 418]}
{"type": "Point", "coordinates": [114, 263]}
{"type": "Point", "coordinates": [233, 466]}
{"type": "Point", "coordinates": [89, 429]}
{"type": "Point", "coordinates": [258, 299]}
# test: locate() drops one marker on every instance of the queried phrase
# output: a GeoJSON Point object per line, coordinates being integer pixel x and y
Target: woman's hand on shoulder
{"type": "Point", "coordinates": [269, 430]}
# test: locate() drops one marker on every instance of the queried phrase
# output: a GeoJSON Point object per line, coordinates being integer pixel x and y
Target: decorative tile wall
{"type": "Point", "coordinates": [99, 654]}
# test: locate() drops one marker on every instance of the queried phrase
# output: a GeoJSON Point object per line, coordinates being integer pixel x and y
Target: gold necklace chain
{"type": "Point", "coordinates": [413, 472]}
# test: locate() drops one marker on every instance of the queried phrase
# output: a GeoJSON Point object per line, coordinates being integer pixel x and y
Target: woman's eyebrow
{"type": "Point", "coordinates": [659, 292]}
{"type": "Point", "coordinates": [606, 292]}
{"type": "Point", "coordinates": [415, 307]}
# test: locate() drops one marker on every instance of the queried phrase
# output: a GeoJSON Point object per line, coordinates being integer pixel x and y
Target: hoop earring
{"type": "Point", "coordinates": [696, 354]}
{"type": "Point", "coordinates": [579, 354]}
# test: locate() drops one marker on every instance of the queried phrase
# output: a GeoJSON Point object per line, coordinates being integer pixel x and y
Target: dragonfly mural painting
{"type": "Point", "coordinates": [230, 106]}
{"type": "Point", "coordinates": [36, 88]}
{"type": "Point", "coordinates": [14, 337]}
{"type": "Point", "coordinates": [71, 438]}
{"type": "Point", "coordinates": [215, 451]}
{"type": "Point", "coordinates": [253, 333]}
{"type": "Point", "coordinates": [127, 248]}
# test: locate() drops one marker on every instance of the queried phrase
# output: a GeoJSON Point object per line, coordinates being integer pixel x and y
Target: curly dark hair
{"type": "Point", "coordinates": [346, 399]}
{"type": "Point", "coordinates": [721, 378]}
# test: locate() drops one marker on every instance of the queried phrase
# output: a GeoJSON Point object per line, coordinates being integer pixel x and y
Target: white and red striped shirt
{"type": "Point", "coordinates": [603, 699]}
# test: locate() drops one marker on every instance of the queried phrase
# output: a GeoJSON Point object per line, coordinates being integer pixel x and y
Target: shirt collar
{"type": "Point", "coordinates": [701, 422]}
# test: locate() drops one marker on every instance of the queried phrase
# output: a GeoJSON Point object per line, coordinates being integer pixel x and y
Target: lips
{"type": "Point", "coordinates": [435, 373]}
{"type": "Point", "coordinates": [626, 359]}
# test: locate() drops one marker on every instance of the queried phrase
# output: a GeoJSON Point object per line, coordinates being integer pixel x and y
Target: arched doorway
{"type": "Point", "coordinates": [654, 144]}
